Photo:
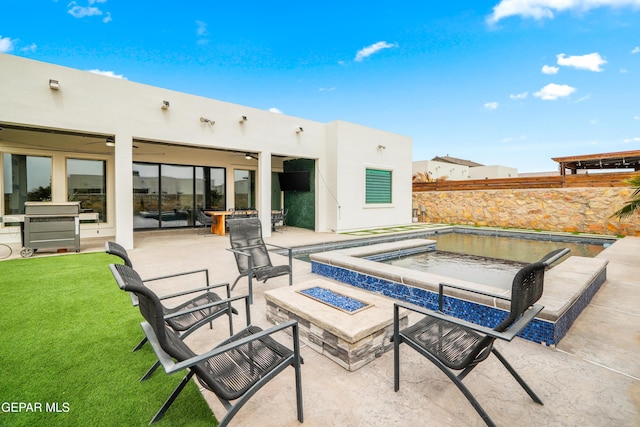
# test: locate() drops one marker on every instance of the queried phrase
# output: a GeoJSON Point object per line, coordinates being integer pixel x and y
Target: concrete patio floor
{"type": "Point", "coordinates": [592, 377]}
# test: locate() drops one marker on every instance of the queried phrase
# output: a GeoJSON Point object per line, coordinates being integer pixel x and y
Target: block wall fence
{"type": "Point", "coordinates": [579, 210]}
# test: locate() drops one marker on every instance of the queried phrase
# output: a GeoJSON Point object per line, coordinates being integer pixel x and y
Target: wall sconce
{"type": "Point", "coordinates": [110, 142]}
{"type": "Point", "coordinates": [242, 119]}
{"type": "Point", "coordinates": [205, 120]}
{"type": "Point", "coordinates": [299, 130]}
{"type": "Point", "coordinates": [54, 84]}
{"type": "Point", "coordinates": [165, 105]}
{"type": "Point", "coordinates": [382, 147]}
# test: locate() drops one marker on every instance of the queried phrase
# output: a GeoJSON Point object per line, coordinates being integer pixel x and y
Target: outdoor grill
{"type": "Point", "coordinates": [50, 225]}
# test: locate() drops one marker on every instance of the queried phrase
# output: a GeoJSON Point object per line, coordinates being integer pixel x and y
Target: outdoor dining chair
{"type": "Point", "coordinates": [234, 370]}
{"type": "Point", "coordinates": [186, 316]}
{"type": "Point", "coordinates": [453, 344]}
{"type": "Point", "coordinates": [205, 221]}
{"type": "Point", "coordinates": [252, 255]}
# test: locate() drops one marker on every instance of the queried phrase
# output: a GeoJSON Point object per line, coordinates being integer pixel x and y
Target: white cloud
{"type": "Point", "coordinates": [326, 89]}
{"type": "Point", "coordinates": [78, 11]}
{"type": "Point", "coordinates": [366, 52]}
{"type": "Point", "coordinates": [636, 117]}
{"type": "Point", "coordinates": [591, 61]}
{"type": "Point", "coordinates": [491, 105]}
{"type": "Point", "coordinates": [548, 69]}
{"type": "Point", "coordinates": [6, 44]}
{"type": "Point", "coordinates": [522, 95]}
{"type": "Point", "coordinates": [31, 48]}
{"type": "Point", "coordinates": [628, 140]}
{"type": "Point", "coordinates": [636, 49]}
{"type": "Point", "coordinates": [108, 74]}
{"type": "Point", "coordinates": [275, 110]}
{"type": "Point", "coordinates": [82, 11]}
{"type": "Point", "coordinates": [553, 91]}
{"type": "Point", "coordinates": [544, 9]}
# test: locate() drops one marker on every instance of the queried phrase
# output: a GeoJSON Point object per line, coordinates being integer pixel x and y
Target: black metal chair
{"type": "Point", "coordinates": [252, 255]}
{"type": "Point", "coordinates": [453, 344]}
{"type": "Point", "coordinates": [205, 221]}
{"type": "Point", "coordinates": [233, 370]}
{"type": "Point", "coordinates": [187, 316]}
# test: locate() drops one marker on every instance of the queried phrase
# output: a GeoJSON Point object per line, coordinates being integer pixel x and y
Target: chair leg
{"type": "Point", "coordinates": [140, 344]}
{"type": "Point", "coordinates": [296, 365]}
{"type": "Point", "coordinates": [236, 281]}
{"type": "Point", "coordinates": [158, 416]}
{"type": "Point", "coordinates": [396, 349]}
{"type": "Point", "coordinates": [452, 376]}
{"type": "Point", "coordinates": [517, 376]}
{"type": "Point", "coordinates": [150, 371]}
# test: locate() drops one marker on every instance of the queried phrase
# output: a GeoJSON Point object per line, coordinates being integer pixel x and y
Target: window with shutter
{"type": "Point", "coordinates": [378, 186]}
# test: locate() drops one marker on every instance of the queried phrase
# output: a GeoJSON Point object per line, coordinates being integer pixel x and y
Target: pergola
{"type": "Point", "coordinates": [617, 160]}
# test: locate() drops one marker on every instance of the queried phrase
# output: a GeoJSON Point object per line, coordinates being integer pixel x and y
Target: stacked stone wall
{"type": "Point", "coordinates": [580, 210]}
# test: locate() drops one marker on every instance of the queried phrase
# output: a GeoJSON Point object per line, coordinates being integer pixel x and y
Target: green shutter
{"type": "Point", "coordinates": [378, 186]}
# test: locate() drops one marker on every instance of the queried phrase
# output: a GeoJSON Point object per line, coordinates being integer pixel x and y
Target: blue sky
{"type": "Point", "coordinates": [509, 82]}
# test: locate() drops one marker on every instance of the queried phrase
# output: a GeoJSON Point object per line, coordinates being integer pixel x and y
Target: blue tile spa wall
{"type": "Point", "coordinates": [539, 331]}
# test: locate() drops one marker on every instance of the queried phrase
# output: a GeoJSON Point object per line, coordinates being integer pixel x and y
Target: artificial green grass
{"type": "Point", "coordinates": [66, 337]}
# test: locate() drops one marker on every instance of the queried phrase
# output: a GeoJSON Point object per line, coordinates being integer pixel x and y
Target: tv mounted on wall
{"type": "Point", "coordinates": [294, 181]}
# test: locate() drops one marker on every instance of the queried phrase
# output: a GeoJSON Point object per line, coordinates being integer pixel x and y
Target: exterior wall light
{"type": "Point", "coordinates": [205, 120]}
{"type": "Point", "coordinates": [242, 119]}
{"type": "Point", "coordinates": [299, 130]}
{"type": "Point", "coordinates": [54, 84]}
{"type": "Point", "coordinates": [165, 105]}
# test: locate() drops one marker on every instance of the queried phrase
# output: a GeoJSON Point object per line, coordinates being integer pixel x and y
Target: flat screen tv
{"type": "Point", "coordinates": [294, 181]}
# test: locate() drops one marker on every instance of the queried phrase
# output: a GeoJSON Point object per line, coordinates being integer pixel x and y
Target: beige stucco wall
{"type": "Point", "coordinates": [129, 111]}
{"type": "Point", "coordinates": [583, 210]}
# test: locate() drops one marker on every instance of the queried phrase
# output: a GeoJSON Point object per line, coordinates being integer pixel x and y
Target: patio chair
{"type": "Point", "coordinates": [453, 344]}
{"type": "Point", "coordinates": [186, 316]}
{"type": "Point", "coordinates": [276, 218]}
{"type": "Point", "coordinates": [234, 370]}
{"type": "Point", "coordinates": [252, 255]}
{"type": "Point", "coordinates": [204, 220]}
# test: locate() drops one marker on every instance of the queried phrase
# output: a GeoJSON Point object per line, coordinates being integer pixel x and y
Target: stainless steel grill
{"type": "Point", "coordinates": [50, 225]}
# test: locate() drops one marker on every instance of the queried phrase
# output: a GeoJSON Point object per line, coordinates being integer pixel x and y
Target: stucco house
{"type": "Point", "coordinates": [144, 157]}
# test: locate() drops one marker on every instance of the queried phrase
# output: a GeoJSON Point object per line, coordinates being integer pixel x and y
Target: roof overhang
{"type": "Point", "coordinates": [616, 160]}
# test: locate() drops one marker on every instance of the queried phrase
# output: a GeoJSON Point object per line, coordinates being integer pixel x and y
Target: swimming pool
{"type": "Point", "coordinates": [569, 286]}
{"type": "Point", "coordinates": [486, 259]}
{"type": "Point", "coordinates": [519, 246]}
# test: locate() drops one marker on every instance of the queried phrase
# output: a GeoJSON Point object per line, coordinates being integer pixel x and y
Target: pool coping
{"type": "Point", "coordinates": [569, 287]}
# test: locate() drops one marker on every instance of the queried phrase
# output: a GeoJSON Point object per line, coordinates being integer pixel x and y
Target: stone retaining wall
{"type": "Point", "coordinates": [583, 210]}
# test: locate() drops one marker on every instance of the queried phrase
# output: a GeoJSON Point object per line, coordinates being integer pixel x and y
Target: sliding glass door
{"type": "Point", "coordinates": [166, 196]}
{"type": "Point", "coordinates": [176, 196]}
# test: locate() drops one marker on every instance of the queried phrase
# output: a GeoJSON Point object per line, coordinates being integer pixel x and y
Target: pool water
{"type": "Point", "coordinates": [510, 248]}
{"type": "Point", "coordinates": [488, 260]}
{"type": "Point", "coordinates": [487, 271]}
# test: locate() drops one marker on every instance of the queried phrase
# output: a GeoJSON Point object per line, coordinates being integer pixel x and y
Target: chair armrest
{"type": "Point", "coordinates": [192, 291]}
{"type": "Point", "coordinates": [279, 247]}
{"type": "Point", "coordinates": [508, 335]}
{"type": "Point", "coordinates": [168, 276]}
{"type": "Point", "coordinates": [290, 256]}
{"type": "Point", "coordinates": [170, 366]}
{"type": "Point", "coordinates": [554, 256]}
{"type": "Point", "coordinates": [236, 251]}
